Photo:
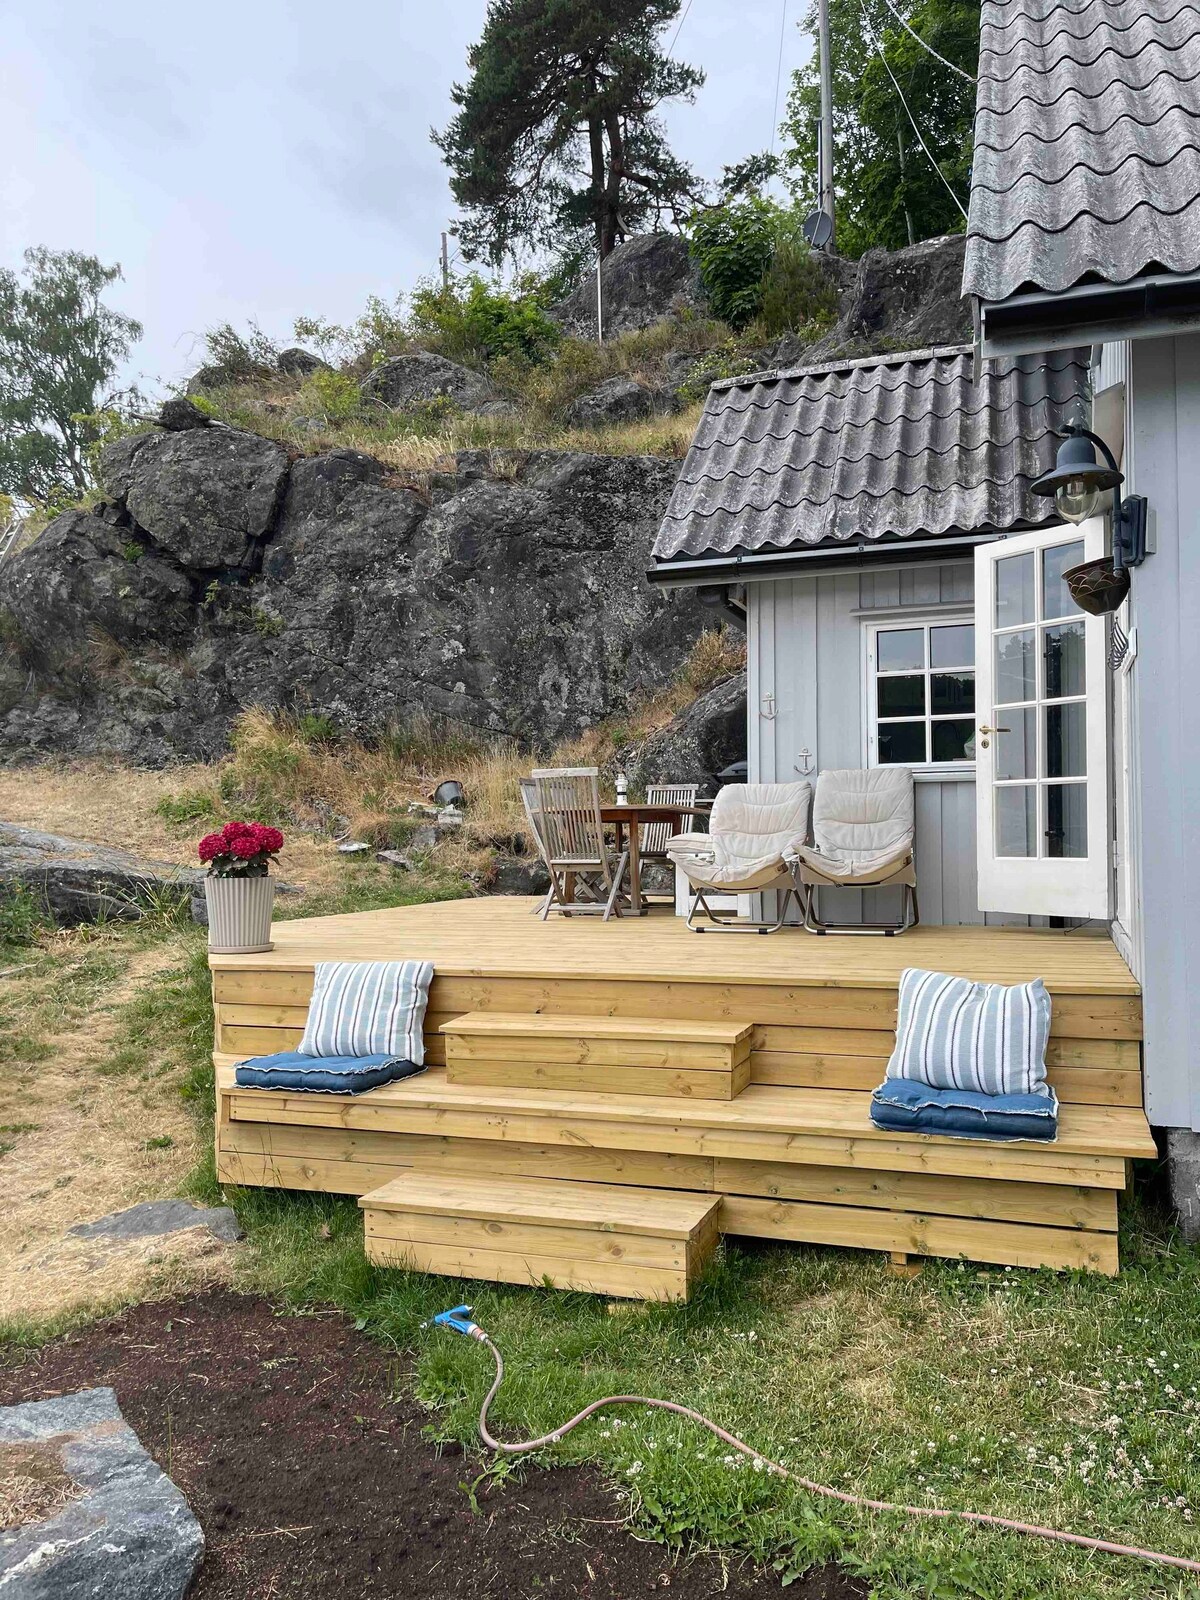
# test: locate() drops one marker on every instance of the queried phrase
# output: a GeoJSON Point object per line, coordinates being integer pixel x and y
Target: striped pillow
{"type": "Point", "coordinates": [984, 1037]}
{"type": "Point", "coordinates": [368, 1008]}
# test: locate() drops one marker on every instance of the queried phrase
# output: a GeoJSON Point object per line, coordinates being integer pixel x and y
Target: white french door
{"type": "Point", "coordinates": [1042, 780]}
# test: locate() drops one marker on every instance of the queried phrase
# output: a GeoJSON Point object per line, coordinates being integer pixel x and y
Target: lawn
{"type": "Point", "coordinates": [1053, 1398]}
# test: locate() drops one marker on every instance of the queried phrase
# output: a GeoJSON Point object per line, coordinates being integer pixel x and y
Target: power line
{"type": "Point", "coordinates": [682, 20]}
{"type": "Point", "coordinates": [778, 77]}
{"type": "Point", "coordinates": [925, 46]}
{"type": "Point", "coordinates": [916, 128]}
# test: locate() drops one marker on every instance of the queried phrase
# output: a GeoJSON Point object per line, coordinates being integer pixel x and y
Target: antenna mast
{"type": "Point", "coordinates": [825, 138]}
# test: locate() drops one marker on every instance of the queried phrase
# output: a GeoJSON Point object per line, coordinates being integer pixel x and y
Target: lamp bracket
{"type": "Point", "coordinates": [1129, 532]}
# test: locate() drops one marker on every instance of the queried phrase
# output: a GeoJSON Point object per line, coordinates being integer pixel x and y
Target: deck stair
{"type": "Point", "coordinates": [618, 1055]}
{"type": "Point", "coordinates": [583, 1057]}
{"type": "Point", "coordinates": [644, 1244]}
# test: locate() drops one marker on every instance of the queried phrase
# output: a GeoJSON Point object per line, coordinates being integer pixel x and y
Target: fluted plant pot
{"type": "Point", "coordinates": [239, 914]}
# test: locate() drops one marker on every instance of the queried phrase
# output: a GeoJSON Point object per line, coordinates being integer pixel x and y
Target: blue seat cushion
{"type": "Point", "coordinates": [902, 1106]}
{"type": "Point", "coordinates": [322, 1074]}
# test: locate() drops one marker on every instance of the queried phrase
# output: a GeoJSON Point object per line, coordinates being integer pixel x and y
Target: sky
{"type": "Point", "coordinates": [262, 159]}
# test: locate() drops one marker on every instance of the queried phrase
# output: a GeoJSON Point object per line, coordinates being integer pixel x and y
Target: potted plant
{"type": "Point", "coordinates": [239, 891]}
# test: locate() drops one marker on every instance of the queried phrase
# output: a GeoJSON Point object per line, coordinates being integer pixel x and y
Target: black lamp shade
{"type": "Point", "coordinates": [1076, 461]}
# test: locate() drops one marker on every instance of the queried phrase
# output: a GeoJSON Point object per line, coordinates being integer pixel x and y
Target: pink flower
{"type": "Point", "coordinates": [212, 844]}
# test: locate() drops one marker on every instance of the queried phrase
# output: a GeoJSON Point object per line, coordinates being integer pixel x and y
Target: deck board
{"type": "Point", "coordinates": [499, 937]}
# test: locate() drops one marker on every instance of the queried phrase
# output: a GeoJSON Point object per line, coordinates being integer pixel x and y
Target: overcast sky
{"type": "Point", "coordinates": [267, 158]}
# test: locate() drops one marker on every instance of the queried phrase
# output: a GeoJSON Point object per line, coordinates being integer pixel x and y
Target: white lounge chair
{"type": "Point", "coordinates": [863, 824]}
{"type": "Point", "coordinates": [751, 827]}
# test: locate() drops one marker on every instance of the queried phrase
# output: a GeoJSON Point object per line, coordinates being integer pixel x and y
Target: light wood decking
{"type": "Point", "coordinates": [794, 1155]}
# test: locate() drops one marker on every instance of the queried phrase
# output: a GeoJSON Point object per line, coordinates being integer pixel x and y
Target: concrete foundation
{"type": "Point", "coordinates": [1183, 1166]}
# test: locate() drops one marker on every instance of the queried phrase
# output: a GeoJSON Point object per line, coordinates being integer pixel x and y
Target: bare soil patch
{"type": "Point", "coordinates": [310, 1476]}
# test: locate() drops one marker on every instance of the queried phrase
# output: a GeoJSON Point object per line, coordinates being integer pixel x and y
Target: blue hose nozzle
{"type": "Point", "coordinates": [458, 1318]}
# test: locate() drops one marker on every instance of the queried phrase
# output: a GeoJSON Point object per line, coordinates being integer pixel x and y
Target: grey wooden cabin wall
{"type": "Point", "coordinates": [1163, 463]}
{"type": "Point", "coordinates": [806, 667]}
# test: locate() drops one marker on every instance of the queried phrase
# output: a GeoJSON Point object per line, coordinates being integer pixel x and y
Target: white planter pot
{"type": "Point", "coordinates": [239, 914]}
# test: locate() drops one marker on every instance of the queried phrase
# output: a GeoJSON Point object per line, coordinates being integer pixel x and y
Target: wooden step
{"type": "Point", "coordinates": [660, 1056]}
{"type": "Point", "coordinates": [642, 1244]}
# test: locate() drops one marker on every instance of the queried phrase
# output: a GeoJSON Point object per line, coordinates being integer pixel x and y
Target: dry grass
{"type": "Point", "coordinates": [33, 1485]}
{"type": "Point", "coordinates": [80, 1141]}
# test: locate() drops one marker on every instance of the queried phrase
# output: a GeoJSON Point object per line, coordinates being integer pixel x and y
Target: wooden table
{"type": "Point", "coordinates": [627, 822]}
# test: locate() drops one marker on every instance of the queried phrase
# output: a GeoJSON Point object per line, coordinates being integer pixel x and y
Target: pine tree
{"type": "Point", "coordinates": [557, 136]}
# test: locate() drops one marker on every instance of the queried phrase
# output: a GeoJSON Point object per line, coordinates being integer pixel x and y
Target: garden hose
{"type": "Point", "coordinates": [458, 1319]}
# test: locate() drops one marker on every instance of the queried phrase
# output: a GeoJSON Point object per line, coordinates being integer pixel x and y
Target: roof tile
{"type": "Point", "coordinates": [896, 445]}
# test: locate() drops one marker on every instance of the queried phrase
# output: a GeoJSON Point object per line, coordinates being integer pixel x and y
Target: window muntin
{"type": "Point", "coordinates": [1040, 693]}
{"type": "Point", "coordinates": [922, 693]}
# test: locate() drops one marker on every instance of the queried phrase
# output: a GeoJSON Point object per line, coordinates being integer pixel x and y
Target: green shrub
{"type": "Point", "coordinates": [334, 394]}
{"type": "Point", "coordinates": [733, 247]}
{"type": "Point", "coordinates": [796, 291]}
{"type": "Point", "coordinates": [250, 355]}
{"type": "Point", "coordinates": [471, 320]}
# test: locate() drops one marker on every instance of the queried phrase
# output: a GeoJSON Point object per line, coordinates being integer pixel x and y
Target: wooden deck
{"type": "Point", "coordinates": [793, 1154]}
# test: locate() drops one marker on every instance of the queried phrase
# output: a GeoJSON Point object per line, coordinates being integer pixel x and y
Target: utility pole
{"type": "Point", "coordinates": [445, 261]}
{"type": "Point", "coordinates": [825, 139]}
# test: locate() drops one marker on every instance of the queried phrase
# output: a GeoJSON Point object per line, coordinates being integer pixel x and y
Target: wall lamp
{"type": "Point", "coordinates": [1078, 482]}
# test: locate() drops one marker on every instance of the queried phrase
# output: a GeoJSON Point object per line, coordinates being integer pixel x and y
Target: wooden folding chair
{"type": "Point", "coordinates": [571, 838]}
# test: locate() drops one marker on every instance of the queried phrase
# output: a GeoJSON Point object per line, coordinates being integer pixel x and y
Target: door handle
{"type": "Point", "coordinates": [985, 731]}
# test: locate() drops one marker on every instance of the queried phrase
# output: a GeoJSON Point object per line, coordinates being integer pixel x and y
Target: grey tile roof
{"type": "Point", "coordinates": [900, 445]}
{"type": "Point", "coordinates": [1087, 144]}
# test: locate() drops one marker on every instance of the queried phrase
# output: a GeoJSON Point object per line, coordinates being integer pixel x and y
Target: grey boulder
{"type": "Point", "coordinates": [129, 1536]}
{"type": "Point", "coordinates": [298, 363]}
{"type": "Point", "coordinates": [80, 882]}
{"type": "Point", "coordinates": [422, 378]}
{"type": "Point", "coordinates": [645, 280]}
{"type": "Point", "coordinates": [619, 399]}
{"type": "Point", "coordinates": [899, 300]}
{"type": "Point", "coordinates": [204, 496]}
{"type": "Point", "coordinates": [155, 1217]}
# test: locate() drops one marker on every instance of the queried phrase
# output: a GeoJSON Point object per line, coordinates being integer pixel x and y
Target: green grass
{"type": "Point", "coordinates": [1055, 1398]}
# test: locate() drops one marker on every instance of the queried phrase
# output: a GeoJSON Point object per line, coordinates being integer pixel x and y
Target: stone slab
{"type": "Point", "coordinates": [130, 1536]}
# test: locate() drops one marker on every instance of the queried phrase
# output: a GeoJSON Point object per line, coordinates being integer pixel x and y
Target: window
{"type": "Point", "coordinates": [921, 693]}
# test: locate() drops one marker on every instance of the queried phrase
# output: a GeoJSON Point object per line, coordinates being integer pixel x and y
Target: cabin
{"type": "Point", "coordinates": [608, 1097]}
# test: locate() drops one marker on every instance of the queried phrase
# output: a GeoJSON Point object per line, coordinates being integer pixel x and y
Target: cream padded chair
{"type": "Point", "coordinates": [863, 824]}
{"type": "Point", "coordinates": [751, 827]}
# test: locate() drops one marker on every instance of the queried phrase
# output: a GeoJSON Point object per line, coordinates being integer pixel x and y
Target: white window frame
{"type": "Point", "coordinates": [937, 617]}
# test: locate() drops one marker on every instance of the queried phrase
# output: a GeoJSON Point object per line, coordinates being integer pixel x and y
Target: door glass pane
{"type": "Point", "coordinates": [902, 696]}
{"type": "Point", "coordinates": [952, 691]}
{"type": "Point", "coordinates": [1062, 646]}
{"type": "Point", "coordinates": [1016, 820]}
{"type": "Point", "coordinates": [900, 649]}
{"type": "Point", "coordinates": [1056, 597]}
{"type": "Point", "coordinates": [1016, 678]}
{"type": "Point", "coordinates": [1016, 744]}
{"type": "Point", "coordinates": [954, 740]}
{"type": "Point", "coordinates": [1014, 590]}
{"type": "Point", "coordinates": [1066, 819]}
{"type": "Point", "coordinates": [1066, 740]}
{"type": "Point", "coordinates": [952, 646]}
{"type": "Point", "coordinates": [901, 743]}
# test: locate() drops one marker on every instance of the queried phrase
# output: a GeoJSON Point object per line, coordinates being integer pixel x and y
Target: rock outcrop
{"type": "Point", "coordinates": [695, 746]}
{"type": "Point", "coordinates": [895, 300]}
{"type": "Point", "coordinates": [619, 399]}
{"type": "Point", "coordinates": [422, 378]}
{"type": "Point", "coordinates": [644, 280]}
{"type": "Point", "coordinates": [78, 882]}
{"type": "Point", "coordinates": [509, 598]}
